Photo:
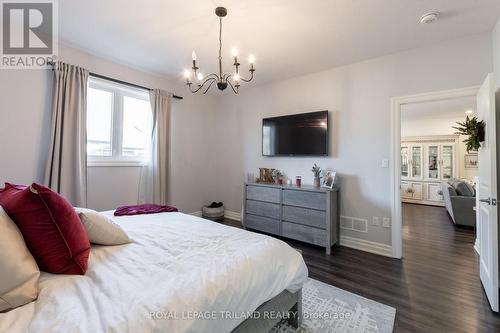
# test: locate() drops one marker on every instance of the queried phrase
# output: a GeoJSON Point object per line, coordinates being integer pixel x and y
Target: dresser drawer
{"type": "Point", "coordinates": [263, 193]}
{"type": "Point", "coordinates": [304, 233]}
{"type": "Point", "coordinates": [266, 209]}
{"type": "Point", "coordinates": [262, 224]}
{"type": "Point", "coordinates": [315, 200]}
{"type": "Point", "coordinates": [315, 218]}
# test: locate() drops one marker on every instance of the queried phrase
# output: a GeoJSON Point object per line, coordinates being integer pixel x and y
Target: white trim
{"type": "Point", "coordinates": [367, 246]}
{"type": "Point", "coordinates": [476, 245]}
{"type": "Point", "coordinates": [114, 163]}
{"type": "Point", "coordinates": [236, 216]}
{"type": "Point", "coordinates": [396, 103]}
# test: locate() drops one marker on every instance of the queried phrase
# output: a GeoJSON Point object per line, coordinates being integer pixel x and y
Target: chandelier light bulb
{"type": "Point", "coordinates": [234, 52]}
{"type": "Point", "coordinates": [187, 73]}
{"type": "Point", "coordinates": [251, 59]}
{"type": "Point", "coordinates": [193, 56]}
{"type": "Point", "coordinates": [199, 76]}
{"type": "Point", "coordinates": [236, 77]}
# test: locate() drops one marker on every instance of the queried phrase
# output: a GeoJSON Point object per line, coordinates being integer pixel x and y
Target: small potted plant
{"type": "Point", "coordinates": [317, 174]}
{"type": "Point", "coordinates": [278, 176]}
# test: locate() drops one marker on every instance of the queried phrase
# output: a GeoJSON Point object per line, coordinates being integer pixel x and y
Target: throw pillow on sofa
{"type": "Point", "coordinates": [19, 274]}
{"type": "Point", "coordinates": [50, 226]}
{"type": "Point", "coordinates": [464, 189]}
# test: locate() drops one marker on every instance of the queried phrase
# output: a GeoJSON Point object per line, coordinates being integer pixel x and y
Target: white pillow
{"type": "Point", "coordinates": [19, 272]}
{"type": "Point", "coordinates": [100, 229]}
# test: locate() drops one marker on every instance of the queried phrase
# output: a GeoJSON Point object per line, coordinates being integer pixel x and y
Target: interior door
{"type": "Point", "coordinates": [487, 188]}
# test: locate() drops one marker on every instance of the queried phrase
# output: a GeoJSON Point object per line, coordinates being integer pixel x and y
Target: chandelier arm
{"type": "Point", "coordinates": [200, 85]}
{"type": "Point", "coordinates": [250, 79]}
{"type": "Point", "coordinates": [213, 80]}
{"type": "Point", "coordinates": [231, 85]}
{"type": "Point", "coordinates": [212, 76]}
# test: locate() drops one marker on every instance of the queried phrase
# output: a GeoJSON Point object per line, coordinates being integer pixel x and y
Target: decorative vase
{"type": "Point", "coordinates": [316, 181]}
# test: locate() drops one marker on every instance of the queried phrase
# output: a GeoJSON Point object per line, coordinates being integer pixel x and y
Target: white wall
{"type": "Point", "coordinates": [439, 126]}
{"type": "Point", "coordinates": [358, 98]}
{"type": "Point", "coordinates": [25, 97]}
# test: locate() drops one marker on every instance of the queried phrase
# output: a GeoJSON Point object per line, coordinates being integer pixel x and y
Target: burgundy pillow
{"type": "Point", "coordinates": [50, 226]}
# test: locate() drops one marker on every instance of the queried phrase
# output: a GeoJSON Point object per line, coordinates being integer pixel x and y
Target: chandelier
{"type": "Point", "coordinates": [222, 79]}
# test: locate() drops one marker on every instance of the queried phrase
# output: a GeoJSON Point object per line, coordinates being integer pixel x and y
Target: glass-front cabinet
{"type": "Point", "coordinates": [432, 162]}
{"type": "Point", "coordinates": [416, 161]}
{"type": "Point", "coordinates": [412, 161]}
{"type": "Point", "coordinates": [405, 162]}
{"type": "Point", "coordinates": [425, 163]}
{"type": "Point", "coordinates": [447, 158]}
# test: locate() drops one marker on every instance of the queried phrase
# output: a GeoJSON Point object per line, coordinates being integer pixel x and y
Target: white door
{"type": "Point", "coordinates": [487, 187]}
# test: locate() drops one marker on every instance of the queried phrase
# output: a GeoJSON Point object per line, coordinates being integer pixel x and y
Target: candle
{"type": "Point", "coordinates": [193, 56]}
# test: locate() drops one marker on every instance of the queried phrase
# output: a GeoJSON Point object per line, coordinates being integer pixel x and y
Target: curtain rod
{"type": "Point", "coordinates": [99, 76]}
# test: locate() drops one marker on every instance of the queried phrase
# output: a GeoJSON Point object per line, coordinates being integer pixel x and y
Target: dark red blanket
{"type": "Point", "coordinates": [143, 209]}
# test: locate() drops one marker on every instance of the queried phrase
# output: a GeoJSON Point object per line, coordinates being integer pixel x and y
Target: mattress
{"type": "Point", "coordinates": [181, 273]}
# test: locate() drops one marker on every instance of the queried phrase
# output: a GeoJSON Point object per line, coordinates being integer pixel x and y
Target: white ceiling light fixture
{"type": "Point", "coordinates": [428, 18]}
{"type": "Point", "coordinates": [469, 112]}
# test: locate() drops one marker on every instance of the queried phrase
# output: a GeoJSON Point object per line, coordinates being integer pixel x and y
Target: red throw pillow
{"type": "Point", "coordinates": [50, 226]}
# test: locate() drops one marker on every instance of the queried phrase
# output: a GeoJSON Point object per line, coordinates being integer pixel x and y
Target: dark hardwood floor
{"type": "Point", "coordinates": [434, 288]}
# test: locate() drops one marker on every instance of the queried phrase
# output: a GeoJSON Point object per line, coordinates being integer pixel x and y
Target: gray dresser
{"type": "Point", "coordinates": [308, 214]}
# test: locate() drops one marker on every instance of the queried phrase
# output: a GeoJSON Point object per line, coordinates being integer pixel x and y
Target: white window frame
{"type": "Point", "coordinates": [119, 91]}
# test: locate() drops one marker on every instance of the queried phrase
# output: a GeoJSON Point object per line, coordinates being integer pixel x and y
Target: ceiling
{"type": "Point", "coordinates": [288, 37]}
{"type": "Point", "coordinates": [446, 108]}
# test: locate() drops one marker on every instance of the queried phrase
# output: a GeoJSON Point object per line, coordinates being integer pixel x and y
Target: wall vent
{"type": "Point", "coordinates": [354, 224]}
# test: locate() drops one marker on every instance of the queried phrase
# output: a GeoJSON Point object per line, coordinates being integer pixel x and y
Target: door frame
{"type": "Point", "coordinates": [395, 163]}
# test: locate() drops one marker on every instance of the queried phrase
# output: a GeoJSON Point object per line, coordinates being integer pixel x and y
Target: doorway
{"type": "Point", "coordinates": [419, 192]}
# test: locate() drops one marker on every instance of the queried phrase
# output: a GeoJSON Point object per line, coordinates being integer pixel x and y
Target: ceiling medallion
{"type": "Point", "coordinates": [222, 80]}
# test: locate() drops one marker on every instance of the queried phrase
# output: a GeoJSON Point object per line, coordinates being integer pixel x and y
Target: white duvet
{"type": "Point", "coordinates": [180, 274]}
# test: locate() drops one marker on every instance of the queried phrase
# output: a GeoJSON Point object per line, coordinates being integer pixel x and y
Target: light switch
{"type": "Point", "coordinates": [385, 163]}
{"type": "Point", "coordinates": [386, 222]}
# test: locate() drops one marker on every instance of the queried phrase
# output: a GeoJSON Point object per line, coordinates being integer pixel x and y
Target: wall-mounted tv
{"type": "Point", "coordinates": [304, 134]}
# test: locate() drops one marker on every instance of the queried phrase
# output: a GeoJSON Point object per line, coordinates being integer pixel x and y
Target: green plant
{"type": "Point", "coordinates": [471, 128]}
{"type": "Point", "coordinates": [316, 171]}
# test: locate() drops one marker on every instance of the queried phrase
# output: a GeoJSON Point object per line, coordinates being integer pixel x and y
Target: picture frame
{"type": "Point", "coordinates": [328, 180]}
{"type": "Point", "coordinates": [471, 161]}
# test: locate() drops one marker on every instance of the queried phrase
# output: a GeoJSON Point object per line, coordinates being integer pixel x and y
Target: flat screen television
{"type": "Point", "coordinates": [304, 134]}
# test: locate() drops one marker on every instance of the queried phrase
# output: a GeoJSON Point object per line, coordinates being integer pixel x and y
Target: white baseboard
{"type": "Point", "coordinates": [367, 246]}
{"type": "Point", "coordinates": [476, 246]}
{"type": "Point", "coordinates": [228, 214]}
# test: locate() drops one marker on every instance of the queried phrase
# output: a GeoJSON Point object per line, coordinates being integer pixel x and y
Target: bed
{"type": "Point", "coordinates": [181, 273]}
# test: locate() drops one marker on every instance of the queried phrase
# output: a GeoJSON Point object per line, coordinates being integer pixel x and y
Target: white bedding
{"type": "Point", "coordinates": [178, 266]}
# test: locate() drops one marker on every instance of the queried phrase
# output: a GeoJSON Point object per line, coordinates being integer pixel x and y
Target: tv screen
{"type": "Point", "coordinates": [304, 134]}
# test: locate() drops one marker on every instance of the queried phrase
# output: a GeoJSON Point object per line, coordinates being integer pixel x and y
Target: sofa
{"type": "Point", "coordinates": [460, 199]}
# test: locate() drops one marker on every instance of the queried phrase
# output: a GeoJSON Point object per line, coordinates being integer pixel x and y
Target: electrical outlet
{"type": "Point", "coordinates": [386, 222]}
{"type": "Point", "coordinates": [375, 220]}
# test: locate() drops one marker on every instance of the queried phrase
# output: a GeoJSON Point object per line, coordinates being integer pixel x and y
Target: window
{"type": "Point", "coordinates": [119, 122]}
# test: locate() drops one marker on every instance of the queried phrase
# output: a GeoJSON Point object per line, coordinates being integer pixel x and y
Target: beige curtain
{"type": "Point", "coordinates": [154, 183]}
{"type": "Point", "coordinates": [66, 170]}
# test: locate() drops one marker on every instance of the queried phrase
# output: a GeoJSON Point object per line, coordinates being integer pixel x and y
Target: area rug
{"type": "Point", "coordinates": [329, 309]}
